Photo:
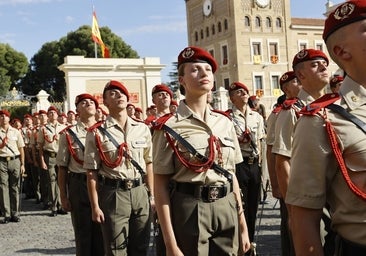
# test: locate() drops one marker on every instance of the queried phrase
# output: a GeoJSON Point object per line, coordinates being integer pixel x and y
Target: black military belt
{"type": "Point", "coordinates": [250, 159]}
{"type": "Point", "coordinates": [206, 193]}
{"type": "Point", "coordinates": [125, 184]}
{"type": "Point", "coordinates": [78, 176]}
{"type": "Point", "coordinates": [50, 154]}
{"type": "Point", "coordinates": [8, 158]}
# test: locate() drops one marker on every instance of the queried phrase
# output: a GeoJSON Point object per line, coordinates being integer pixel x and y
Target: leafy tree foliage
{"type": "Point", "coordinates": [13, 67]}
{"type": "Point", "coordinates": [43, 72]}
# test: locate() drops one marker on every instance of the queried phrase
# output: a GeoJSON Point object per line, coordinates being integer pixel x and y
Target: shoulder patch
{"type": "Point", "coordinates": [314, 107]}
{"type": "Point", "coordinates": [95, 126]}
{"type": "Point", "coordinates": [158, 124]}
{"type": "Point", "coordinates": [225, 113]}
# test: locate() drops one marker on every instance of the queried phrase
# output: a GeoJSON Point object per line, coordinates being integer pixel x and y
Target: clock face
{"type": "Point", "coordinates": [207, 7]}
{"type": "Point", "coordinates": [262, 3]}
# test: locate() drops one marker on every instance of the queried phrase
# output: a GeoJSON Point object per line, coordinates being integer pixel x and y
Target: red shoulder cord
{"type": "Point", "coordinates": [71, 149]}
{"type": "Point", "coordinates": [4, 142]}
{"type": "Point", "coordinates": [54, 137]}
{"type": "Point", "coordinates": [198, 167]}
{"type": "Point", "coordinates": [103, 156]}
{"type": "Point", "coordinates": [338, 155]}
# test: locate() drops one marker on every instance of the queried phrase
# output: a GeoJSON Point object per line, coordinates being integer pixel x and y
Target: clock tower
{"type": "Point", "coordinates": [253, 41]}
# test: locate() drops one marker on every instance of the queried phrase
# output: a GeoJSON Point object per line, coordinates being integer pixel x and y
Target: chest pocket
{"type": "Point", "coordinates": [227, 149]}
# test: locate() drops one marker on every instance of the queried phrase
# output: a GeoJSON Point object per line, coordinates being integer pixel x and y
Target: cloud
{"type": "Point", "coordinates": [7, 38]}
{"type": "Point", "coordinates": [69, 19]}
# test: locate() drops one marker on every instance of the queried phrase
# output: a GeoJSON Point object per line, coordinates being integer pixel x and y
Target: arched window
{"type": "Point", "coordinates": [196, 36]}
{"type": "Point", "coordinates": [213, 29]}
{"type": "Point", "coordinates": [226, 25]}
{"type": "Point", "coordinates": [278, 23]}
{"type": "Point", "coordinates": [201, 33]}
{"type": "Point", "coordinates": [207, 32]}
{"type": "Point", "coordinates": [257, 22]}
{"type": "Point", "coordinates": [246, 21]}
{"type": "Point", "coordinates": [268, 22]}
{"type": "Point", "coordinates": [219, 28]}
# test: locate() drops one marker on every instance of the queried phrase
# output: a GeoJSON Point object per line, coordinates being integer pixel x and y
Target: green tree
{"type": "Point", "coordinates": [13, 67]}
{"type": "Point", "coordinates": [43, 72]}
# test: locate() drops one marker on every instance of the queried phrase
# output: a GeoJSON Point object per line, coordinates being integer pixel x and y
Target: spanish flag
{"type": "Point", "coordinates": [97, 37]}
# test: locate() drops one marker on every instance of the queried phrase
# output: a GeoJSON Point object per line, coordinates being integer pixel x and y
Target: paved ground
{"type": "Point", "coordinates": [38, 234]}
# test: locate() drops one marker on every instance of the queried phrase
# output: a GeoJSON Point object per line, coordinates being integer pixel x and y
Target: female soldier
{"type": "Point", "coordinates": [197, 195]}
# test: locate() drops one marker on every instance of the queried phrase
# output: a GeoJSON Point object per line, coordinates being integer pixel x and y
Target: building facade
{"type": "Point", "coordinates": [253, 41]}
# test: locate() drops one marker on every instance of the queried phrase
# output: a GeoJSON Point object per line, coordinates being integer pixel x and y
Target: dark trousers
{"type": "Point", "coordinates": [126, 230]}
{"type": "Point", "coordinates": [88, 234]}
{"type": "Point", "coordinates": [287, 245]}
{"type": "Point", "coordinates": [249, 178]}
{"type": "Point", "coordinates": [203, 228]}
{"type": "Point", "coordinates": [347, 248]}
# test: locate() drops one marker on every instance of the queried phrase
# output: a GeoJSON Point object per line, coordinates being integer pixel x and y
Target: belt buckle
{"type": "Point", "coordinates": [53, 155]}
{"type": "Point", "coordinates": [251, 160]}
{"type": "Point", "coordinates": [128, 184]}
{"type": "Point", "coordinates": [213, 193]}
{"type": "Point", "coordinates": [8, 158]}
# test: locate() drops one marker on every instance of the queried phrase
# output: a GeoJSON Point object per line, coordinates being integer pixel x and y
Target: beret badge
{"type": "Point", "coordinates": [344, 11]}
{"type": "Point", "coordinates": [188, 53]}
{"type": "Point", "coordinates": [232, 86]}
{"type": "Point", "coordinates": [284, 77]}
{"type": "Point", "coordinates": [302, 54]}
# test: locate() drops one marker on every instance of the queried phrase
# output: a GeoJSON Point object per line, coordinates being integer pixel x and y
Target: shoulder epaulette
{"type": "Point", "coordinates": [317, 105]}
{"type": "Point", "coordinates": [224, 113]}
{"type": "Point", "coordinates": [288, 103]}
{"type": "Point", "coordinates": [95, 126]}
{"type": "Point", "coordinates": [277, 109]}
{"type": "Point", "coordinates": [149, 120]}
{"type": "Point", "coordinates": [158, 124]}
{"type": "Point", "coordinates": [65, 129]}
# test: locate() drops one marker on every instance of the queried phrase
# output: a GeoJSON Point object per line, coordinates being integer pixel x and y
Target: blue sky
{"type": "Point", "coordinates": [154, 28]}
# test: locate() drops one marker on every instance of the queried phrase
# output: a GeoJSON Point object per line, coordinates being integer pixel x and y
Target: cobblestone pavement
{"type": "Point", "coordinates": [39, 234]}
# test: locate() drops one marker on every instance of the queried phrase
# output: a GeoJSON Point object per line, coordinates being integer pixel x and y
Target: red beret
{"type": "Point", "coordinates": [70, 111]}
{"type": "Point", "coordinates": [5, 112]}
{"type": "Point", "coordinates": [237, 85]}
{"type": "Point", "coordinates": [195, 54]}
{"type": "Point", "coordinates": [82, 97]}
{"type": "Point", "coordinates": [42, 112]}
{"type": "Point", "coordinates": [162, 88]}
{"type": "Point", "coordinates": [103, 111]}
{"type": "Point", "coordinates": [137, 109]}
{"type": "Point", "coordinates": [174, 102]}
{"type": "Point", "coordinates": [52, 108]}
{"type": "Point", "coordinates": [335, 80]}
{"type": "Point", "coordinates": [308, 54]}
{"type": "Point", "coordinates": [131, 105]}
{"type": "Point", "coordinates": [35, 114]}
{"type": "Point", "coordinates": [287, 77]}
{"type": "Point", "coordinates": [346, 13]}
{"type": "Point", "coordinates": [62, 114]}
{"type": "Point", "coordinates": [113, 84]}
{"type": "Point", "coordinates": [253, 97]}
{"type": "Point", "coordinates": [27, 116]}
